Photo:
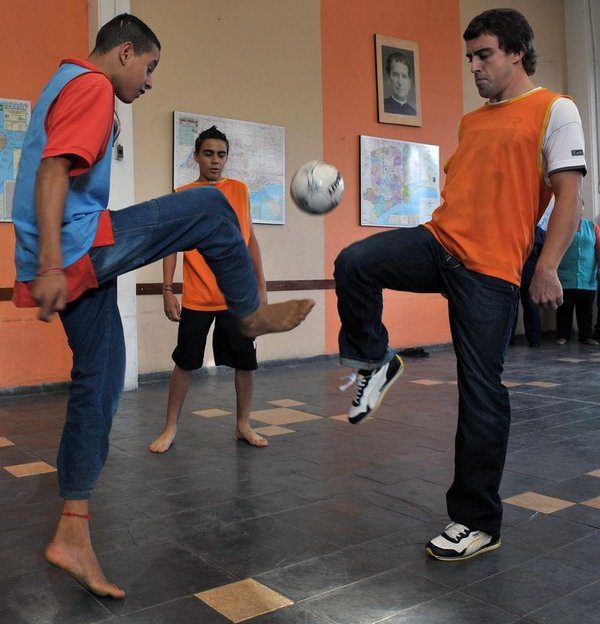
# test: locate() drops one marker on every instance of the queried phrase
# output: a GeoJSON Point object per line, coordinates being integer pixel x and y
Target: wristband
{"type": "Point", "coordinates": [50, 271]}
{"type": "Point", "coordinates": [168, 287]}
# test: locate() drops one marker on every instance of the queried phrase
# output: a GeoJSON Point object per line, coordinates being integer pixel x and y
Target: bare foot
{"type": "Point", "coordinates": [271, 318]}
{"type": "Point", "coordinates": [163, 442]}
{"type": "Point", "coordinates": [71, 550]}
{"type": "Point", "coordinates": [248, 435]}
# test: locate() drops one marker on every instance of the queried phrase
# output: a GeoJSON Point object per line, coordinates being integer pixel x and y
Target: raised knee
{"type": "Point", "coordinates": [349, 260]}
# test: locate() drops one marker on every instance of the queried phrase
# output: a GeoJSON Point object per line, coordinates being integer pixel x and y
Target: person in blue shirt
{"type": "Point", "coordinates": [578, 274]}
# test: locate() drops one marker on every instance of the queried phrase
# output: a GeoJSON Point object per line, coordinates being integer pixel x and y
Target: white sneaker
{"type": "Point", "coordinates": [458, 542]}
{"type": "Point", "coordinates": [372, 387]}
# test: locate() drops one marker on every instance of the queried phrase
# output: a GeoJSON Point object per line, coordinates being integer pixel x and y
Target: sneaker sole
{"type": "Point", "coordinates": [390, 383]}
{"type": "Point", "coordinates": [485, 549]}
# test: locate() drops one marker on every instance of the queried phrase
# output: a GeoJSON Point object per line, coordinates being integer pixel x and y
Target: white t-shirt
{"type": "Point", "coordinates": [564, 146]}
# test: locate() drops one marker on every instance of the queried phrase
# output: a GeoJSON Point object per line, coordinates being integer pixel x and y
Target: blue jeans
{"type": "Point", "coordinates": [481, 311]}
{"type": "Point", "coordinates": [199, 219]}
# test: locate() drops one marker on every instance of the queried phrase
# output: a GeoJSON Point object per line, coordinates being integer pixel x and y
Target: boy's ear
{"type": "Point", "coordinates": [126, 52]}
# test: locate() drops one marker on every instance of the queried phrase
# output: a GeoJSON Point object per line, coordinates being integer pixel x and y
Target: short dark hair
{"type": "Point", "coordinates": [124, 28]}
{"type": "Point", "coordinates": [396, 57]}
{"type": "Point", "coordinates": [211, 133]}
{"type": "Point", "coordinates": [512, 29]}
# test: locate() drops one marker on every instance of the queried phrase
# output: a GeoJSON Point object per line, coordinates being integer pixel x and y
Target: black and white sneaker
{"type": "Point", "coordinates": [371, 387]}
{"type": "Point", "coordinates": [458, 542]}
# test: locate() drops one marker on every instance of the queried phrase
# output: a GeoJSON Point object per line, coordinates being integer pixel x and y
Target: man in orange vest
{"type": "Point", "coordinates": [522, 146]}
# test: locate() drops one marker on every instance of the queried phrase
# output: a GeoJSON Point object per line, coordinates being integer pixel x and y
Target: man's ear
{"type": "Point", "coordinates": [518, 56]}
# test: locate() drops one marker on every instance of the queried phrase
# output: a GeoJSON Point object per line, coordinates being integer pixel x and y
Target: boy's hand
{"type": "Point", "coordinates": [171, 305]}
{"type": "Point", "coordinates": [50, 293]}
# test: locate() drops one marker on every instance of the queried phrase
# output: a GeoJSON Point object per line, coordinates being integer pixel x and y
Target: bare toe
{"type": "Point", "coordinates": [162, 443]}
{"type": "Point", "coordinates": [251, 437]}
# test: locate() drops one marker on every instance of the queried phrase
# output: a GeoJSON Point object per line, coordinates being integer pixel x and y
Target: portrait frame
{"type": "Point", "coordinates": [408, 50]}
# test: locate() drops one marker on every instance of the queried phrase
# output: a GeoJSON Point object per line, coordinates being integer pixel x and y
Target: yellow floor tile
{"type": "Point", "coordinates": [541, 384]}
{"type": "Point", "coordinates": [285, 403]}
{"type": "Point", "coordinates": [593, 502]}
{"type": "Point", "coordinates": [211, 413]}
{"type": "Point", "coordinates": [273, 430]}
{"type": "Point", "coordinates": [511, 384]}
{"type": "Point", "coordinates": [28, 470]}
{"type": "Point", "coordinates": [595, 473]}
{"type": "Point", "coordinates": [281, 416]}
{"type": "Point", "coordinates": [243, 600]}
{"type": "Point", "coordinates": [426, 382]}
{"type": "Point", "coordinates": [538, 502]}
{"type": "Point", "coordinates": [342, 417]}
{"type": "Point", "coordinates": [6, 442]}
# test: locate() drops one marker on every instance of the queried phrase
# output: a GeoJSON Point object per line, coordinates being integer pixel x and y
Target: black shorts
{"type": "Point", "coordinates": [230, 348]}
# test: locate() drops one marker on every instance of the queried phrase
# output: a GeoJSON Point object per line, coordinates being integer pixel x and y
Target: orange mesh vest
{"type": "Point", "coordinates": [200, 290]}
{"type": "Point", "coordinates": [495, 191]}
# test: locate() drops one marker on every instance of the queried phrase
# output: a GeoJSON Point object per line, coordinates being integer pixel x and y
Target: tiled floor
{"type": "Point", "coordinates": [327, 524]}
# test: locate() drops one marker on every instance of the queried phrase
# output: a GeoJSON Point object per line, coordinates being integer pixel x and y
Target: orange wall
{"type": "Point", "coordinates": [350, 109]}
{"type": "Point", "coordinates": [36, 35]}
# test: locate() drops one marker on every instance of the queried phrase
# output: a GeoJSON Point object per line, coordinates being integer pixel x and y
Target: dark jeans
{"type": "Point", "coordinates": [481, 311]}
{"type": "Point", "coordinates": [582, 302]}
{"type": "Point", "coordinates": [199, 218]}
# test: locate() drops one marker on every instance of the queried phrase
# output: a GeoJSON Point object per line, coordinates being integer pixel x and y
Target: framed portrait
{"type": "Point", "coordinates": [398, 81]}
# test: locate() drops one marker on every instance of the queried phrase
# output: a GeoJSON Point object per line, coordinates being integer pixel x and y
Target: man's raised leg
{"type": "Point", "coordinates": [403, 259]}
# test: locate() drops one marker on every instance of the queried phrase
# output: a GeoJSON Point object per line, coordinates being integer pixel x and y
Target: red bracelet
{"type": "Point", "coordinates": [76, 515]}
{"type": "Point", "coordinates": [49, 271]}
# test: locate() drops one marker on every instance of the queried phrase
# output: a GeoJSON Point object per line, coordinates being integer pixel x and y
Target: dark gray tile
{"type": "Point", "coordinates": [48, 597]}
{"type": "Point", "coordinates": [578, 489]}
{"type": "Point", "coordinates": [583, 554]}
{"type": "Point", "coordinates": [580, 607]}
{"type": "Point", "coordinates": [543, 533]}
{"type": "Point", "coordinates": [323, 574]}
{"type": "Point", "coordinates": [343, 523]}
{"type": "Point", "coordinates": [454, 608]}
{"type": "Point", "coordinates": [376, 598]}
{"type": "Point", "coordinates": [253, 546]}
{"type": "Point", "coordinates": [528, 586]}
{"type": "Point", "coordinates": [183, 611]}
{"type": "Point", "coordinates": [254, 506]}
{"type": "Point", "coordinates": [294, 614]}
{"type": "Point", "coordinates": [152, 574]}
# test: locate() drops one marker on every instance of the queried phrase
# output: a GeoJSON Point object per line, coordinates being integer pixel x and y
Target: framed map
{"type": "Point", "coordinates": [256, 157]}
{"type": "Point", "coordinates": [14, 119]}
{"type": "Point", "coordinates": [399, 182]}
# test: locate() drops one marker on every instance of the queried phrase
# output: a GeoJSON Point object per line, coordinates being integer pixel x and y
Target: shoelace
{"type": "Point", "coordinates": [455, 530]}
{"type": "Point", "coordinates": [347, 381]}
{"type": "Point", "coordinates": [361, 383]}
{"type": "Point", "coordinates": [359, 380]}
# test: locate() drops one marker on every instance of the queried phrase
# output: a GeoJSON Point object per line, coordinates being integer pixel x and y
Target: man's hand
{"type": "Point", "coordinates": [50, 293]}
{"type": "Point", "coordinates": [172, 307]}
{"type": "Point", "coordinates": [545, 289]}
